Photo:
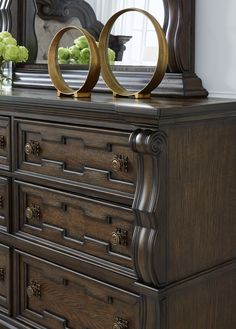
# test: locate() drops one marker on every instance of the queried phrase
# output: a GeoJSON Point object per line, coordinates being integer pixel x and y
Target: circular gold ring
{"type": "Point", "coordinates": [161, 64]}
{"type": "Point", "coordinates": [55, 72]}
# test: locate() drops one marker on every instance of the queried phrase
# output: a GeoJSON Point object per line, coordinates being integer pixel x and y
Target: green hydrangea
{"type": "Point", "coordinates": [23, 54]}
{"type": "Point", "coordinates": [75, 52]}
{"type": "Point", "coordinates": [81, 42]}
{"type": "Point", "coordinates": [79, 53]}
{"type": "Point", "coordinates": [111, 55]}
{"type": "Point", "coordinates": [10, 51]}
{"type": "Point", "coordinates": [85, 56]}
{"type": "Point", "coordinates": [2, 48]}
{"type": "Point", "coordinates": [9, 41]}
{"type": "Point", "coordinates": [63, 53]}
{"type": "Point", "coordinates": [4, 35]}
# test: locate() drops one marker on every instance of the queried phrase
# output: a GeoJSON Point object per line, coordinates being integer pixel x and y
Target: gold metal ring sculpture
{"type": "Point", "coordinates": [161, 65]}
{"type": "Point", "coordinates": [55, 73]}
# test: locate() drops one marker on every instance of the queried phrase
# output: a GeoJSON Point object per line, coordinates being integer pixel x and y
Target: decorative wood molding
{"type": "Point", "coordinates": [149, 233]}
{"type": "Point", "coordinates": [180, 33]}
{"type": "Point", "coordinates": [5, 15]}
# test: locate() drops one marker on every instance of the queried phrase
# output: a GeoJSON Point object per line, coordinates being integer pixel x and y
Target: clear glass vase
{"type": "Point", "coordinates": [5, 75]}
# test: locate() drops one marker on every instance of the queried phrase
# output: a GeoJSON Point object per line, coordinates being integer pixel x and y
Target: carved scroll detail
{"type": "Point", "coordinates": [148, 245]}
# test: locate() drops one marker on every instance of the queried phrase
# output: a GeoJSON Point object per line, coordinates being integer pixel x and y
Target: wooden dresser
{"type": "Point", "coordinates": [117, 213]}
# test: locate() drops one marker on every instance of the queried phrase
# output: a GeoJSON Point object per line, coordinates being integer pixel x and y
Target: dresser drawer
{"type": "Point", "coordinates": [85, 225]}
{"type": "Point", "coordinates": [96, 157]}
{"type": "Point", "coordinates": [55, 297]}
{"type": "Point", "coordinates": [4, 203]}
{"type": "Point", "coordinates": [4, 277]}
{"type": "Point", "coordinates": [4, 143]}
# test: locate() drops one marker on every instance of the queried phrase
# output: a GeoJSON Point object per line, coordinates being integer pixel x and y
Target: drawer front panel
{"type": "Point", "coordinates": [4, 143]}
{"type": "Point", "coordinates": [88, 156]}
{"type": "Point", "coordinates": [55, 297]}
{"type": "Point", "coordinates": [97, 228]}
{"type": "Point", "coordinates": [4, 277]}
{"type": "Point", "coordinates": [4, 203]}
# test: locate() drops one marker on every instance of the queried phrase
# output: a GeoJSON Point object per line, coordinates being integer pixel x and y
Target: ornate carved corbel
{"type": "Point", "coordinates": [149, 205]}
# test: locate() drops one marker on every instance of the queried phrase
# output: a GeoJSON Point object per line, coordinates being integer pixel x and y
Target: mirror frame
{"type": "Point", "coordinates": [17, 16]}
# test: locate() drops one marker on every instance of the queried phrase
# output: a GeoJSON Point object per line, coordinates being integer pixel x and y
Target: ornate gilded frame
{"type": "Point", "coordinates": [179, 25]}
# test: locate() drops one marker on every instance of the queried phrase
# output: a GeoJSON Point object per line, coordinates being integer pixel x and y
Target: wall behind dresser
{"type": "Point", "coordinates": [216, 46]}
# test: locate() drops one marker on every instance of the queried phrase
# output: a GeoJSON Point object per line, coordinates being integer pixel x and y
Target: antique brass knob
{"type": "Point", "coordinates": [2, 142]}
{"type": "Point", "coordinates": [30, 291]}
{"type": "Point", "coordinates": [115, 239]}
{"type": "Point", "coordinates": [32, 212]}
{"type": "Point", "coordinates": [28, 148]}
{"type": "Point", "coordinates": [120, 324]}
{"type": "Point", "coordinates": [120, 237]}
{"type": "Point", "coordinates": [34, 289]}
{"type": "Point", "coordinates": [120, 163]}
{"type": "Point", "coordinates": [29, 213]}
{"type": "Point", "coordinates": [32, 147]}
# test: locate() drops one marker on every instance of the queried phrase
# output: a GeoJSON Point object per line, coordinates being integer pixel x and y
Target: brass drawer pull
{"type": "Point", "coordinates": [34, 289]}
{"type": "Point", "coordinates": [120, 163]}
{"type": "Point", "coordinates": [2, 274]}
{"type": "Point", "coordinates": [33, 212]}
{"type": "Point", "coordinates": [120, 324]}
{"type": "Point", "coordinates": [32, 147]}
{"type": "Point", "coordinates": [2, 142]}
{"type": "Point", "coordinates": [1, 202]}
{"type": "Point", "coordinates": [120, 237]}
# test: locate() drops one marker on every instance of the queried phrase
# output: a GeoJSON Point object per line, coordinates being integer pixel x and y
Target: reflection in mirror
{"type": "Point", "coordinates": [132, 39]}
{"type": "Point", "coordinates": [46, 30]}
{"type": "Point", "coordinates": [141, 50]}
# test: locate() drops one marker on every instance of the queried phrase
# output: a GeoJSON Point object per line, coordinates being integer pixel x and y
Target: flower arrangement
{"type": "Point", "coordinates": [10, 52]}
{"type": "Point", "coordinates": [79, 53]}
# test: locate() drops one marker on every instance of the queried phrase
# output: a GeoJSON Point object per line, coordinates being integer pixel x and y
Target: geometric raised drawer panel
{"type": "Point", "coordinates": [96, 157]}
{"type": "Point", "coordinates": [4, 143]}
{"type": "Point", "coordinates": [54, 297]}
{"type": "Point", "coordinates": [85, 225]}
{"type": "Point", "coordinates": [4, 278]}
{"type": "Point", "coordinates": [4, 203]}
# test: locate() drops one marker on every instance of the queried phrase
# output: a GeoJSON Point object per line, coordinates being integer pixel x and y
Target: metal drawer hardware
{"type": "Point", "coordinates": [32, 147]}
{"type": "Point", "coordinates": [2, 142]}
{"type": "Point", "coordinates": [120, 324]}
{"type": "Point", "coordinates": [1, 202]}
{"type": "Point", "coordinates": [33, 212]}
{"type": "Point", "coordinates": [120, 236]}
{"type": "Point", "coordinates": [120, 163]}
{"type": "Point", "coordinates": [34, 289]}
{"type": "Point", "coordinates": [2, 274]}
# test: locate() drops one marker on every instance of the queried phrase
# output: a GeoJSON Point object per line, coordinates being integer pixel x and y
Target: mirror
{"type": "Point", "coordinates": [127, 33]}
{"type": "Point", "coordinates": [18, 16]}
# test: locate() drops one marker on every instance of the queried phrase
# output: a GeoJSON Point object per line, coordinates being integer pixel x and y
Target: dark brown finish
{"type": "Point", "coordinates": [4, 278]}
{"type": "Point", "coordinates": [91, 164]}
{"type": "Point", "coordinates": [82, 302]}
{"type": "Point", "coordinates": [4, 203]}
{"type": "Point", "coordinates": [75, 222]}
{"type": "Point", "coordinates": [209, 293]}
{"type": "Point", "coordinates": [179, 26]}
{"type": "Point", "coordinates": [4, 143]}
{"type": "Point", "coordinates": [150, 245]}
